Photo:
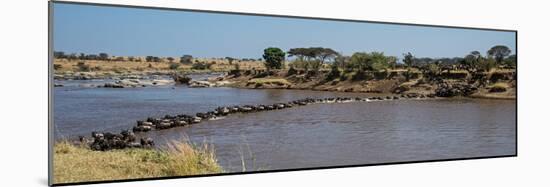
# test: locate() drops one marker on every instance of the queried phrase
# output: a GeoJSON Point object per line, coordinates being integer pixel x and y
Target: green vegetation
{"type": "Point", "coordinates": [374, 61]}
{"type": "Point", "coordinates": [312, 57]}
{"type": "Point", "coordinates": [312, 60]}
{"type": "Point", "coordinates": [186, 59]}
{"type": "Point", "coordinates": [408, 59]}
{"type": "Point", "coordinates": [170, 59]}
{"type": "Point", "coordinates": [174, 66]}
{"type": "Point", "coordinates": [83, 66]}
{"type": "Point", "coordinates": [498, 53]}
{"type": "Point", "coordinates": [201, 66]}
{"type": "Point", "coordinates": [78, 163]}
{"type": "Point", "coordinates": [274, 58]}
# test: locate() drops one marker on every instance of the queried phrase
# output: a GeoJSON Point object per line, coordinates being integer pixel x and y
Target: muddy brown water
{"type": "Point", "coordinates": [309, 136]}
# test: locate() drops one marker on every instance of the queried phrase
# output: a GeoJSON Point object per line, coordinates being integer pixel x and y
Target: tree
{"type": "Point", "coordinates": [59, 54]}
{"type": "Point", "coordinates": [82, 56]}
{"type": "Point", "coordinates": [511, 60]}
{"type": "Point", "coordinates": [360, 60]}
{"type": "Point", "coordinates": [274, 58]}
{"type": "Point", "coordinates": [149, 58]}
{"type": "Point", "coordinates": [499, 52]}
{"type": "Point", "coordinates": [186, 59]}
{"type": "Point", "coordinates": [103, 56]}
{"type": "Point", "coordinates": [472, 60]}
{"type": "Point", "coordinates": [170, 59]}
{"type": "Point", "coordinates": [374, 61]}
{"type": "Point", "coordinates": [230, 60]}
{"type": "Point", "coordinates": [342, 61]}
{"type": "Point", "coordinates": [408, 59]}
{"type": "Point", "coordinates": [325, 54]}
{"type": "Point", "coordinates": [379, 61]}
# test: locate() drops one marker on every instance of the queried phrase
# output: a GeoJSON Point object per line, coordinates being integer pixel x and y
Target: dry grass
{"type": "Point", "coordinates": [500, 85]}
{"type": "Point", "coordinates": [64, 65]}
{"type": "Point", "coordinates": [78, 163]}
{"type": "Point", "coordinates": [277, 81]}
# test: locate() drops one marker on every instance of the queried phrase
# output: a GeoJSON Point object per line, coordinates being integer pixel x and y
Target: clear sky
{"type": "Point", "coordinates": [142, 32]}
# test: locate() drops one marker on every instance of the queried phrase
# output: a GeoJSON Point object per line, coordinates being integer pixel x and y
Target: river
{"type": "Point", "coordinates": [308, 136]}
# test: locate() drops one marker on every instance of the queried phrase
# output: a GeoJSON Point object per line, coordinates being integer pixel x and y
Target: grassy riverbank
{"type": "Point", "coordinates": [74, 163]}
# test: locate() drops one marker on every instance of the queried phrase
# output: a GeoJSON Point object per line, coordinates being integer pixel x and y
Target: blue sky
{"type": "Point", "coordinates": [141, 32]}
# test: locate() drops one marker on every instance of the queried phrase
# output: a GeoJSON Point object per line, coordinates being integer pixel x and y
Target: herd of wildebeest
{"type": "Point", "coordinates": [102, 141]}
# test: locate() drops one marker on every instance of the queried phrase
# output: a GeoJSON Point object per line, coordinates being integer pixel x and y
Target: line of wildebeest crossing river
{"type": "Point", "coordinates": [102, 141]}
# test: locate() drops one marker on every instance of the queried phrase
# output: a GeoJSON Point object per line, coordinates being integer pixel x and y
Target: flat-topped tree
{"type": "Point", "coordinates": [499, 52]}
{"type": "Point", "coordinates": [326, 54]}
{"type": "Point", "coordinates": [186, 59]}
{"type": "Point", "coordinates": [230, 60]}
{"type": "Point", "coordinates": [170, 59]}
{"type": "Point", "coordinates": [274, 58]}
{"type": "Point", "coordinates": [103, 56]}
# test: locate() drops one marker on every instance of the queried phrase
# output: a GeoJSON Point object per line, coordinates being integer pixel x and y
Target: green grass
{"type": "Point", "coordinates": [74, 163]}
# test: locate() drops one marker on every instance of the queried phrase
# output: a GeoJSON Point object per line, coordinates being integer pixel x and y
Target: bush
{"type": "Point", "coordinates": [57, 66]}
{"type": "Point", "coordinates": [83, 66]}
{"type": "Point", "coordinates": [96, 68]}
{"type": "Point", "coordinates": [358, 76]}
{"type": "Point", "coordinates": [291, 71]}
{"type": "Point", "coordinates": [200, 66]}
{"type": "Point", "coordinates": [334, 73]}
{"type": "Point", "coordinates": [174, 66]}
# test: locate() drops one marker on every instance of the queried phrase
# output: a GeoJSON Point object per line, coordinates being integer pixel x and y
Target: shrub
{"type": "Point", "coordinates": [174, 66]}
{"type": "Point", "coordinates": [83, 66]}
{"type": "Point", "coordinates": [200, 66]}
{"type": "Point", "coordinates": [291, 71]}
{"type": "Point", "coordinates": [96, 68]}
{"type": "Point", "coordinates": [334, 73]}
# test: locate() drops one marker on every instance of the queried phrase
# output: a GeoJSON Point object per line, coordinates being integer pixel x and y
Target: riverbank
{"type": "Point", "coordinates": [497, 84]}
{"type": "Point", "coordinates": [75, 163]}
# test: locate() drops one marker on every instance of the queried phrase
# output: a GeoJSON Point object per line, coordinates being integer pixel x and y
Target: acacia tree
{"type": "Point", "coordinates": [318, 54]}
{"type": "Point", "coordinates": [103, 56]}
{"type": "Point", "coordinates": [230, 60]}
{"type": "Point", "coordinates": [186, 59]}
{"type": "Point", "coordinates": [472, 60]}
{"type": "Point", "coordinates": [325, 54]}
{"type": "Point", "coordinates": [274, 58]}
{"type": "Point", "coordinates": [170, 59]}
{"type": "Point", "coordinates": [499, 52]}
